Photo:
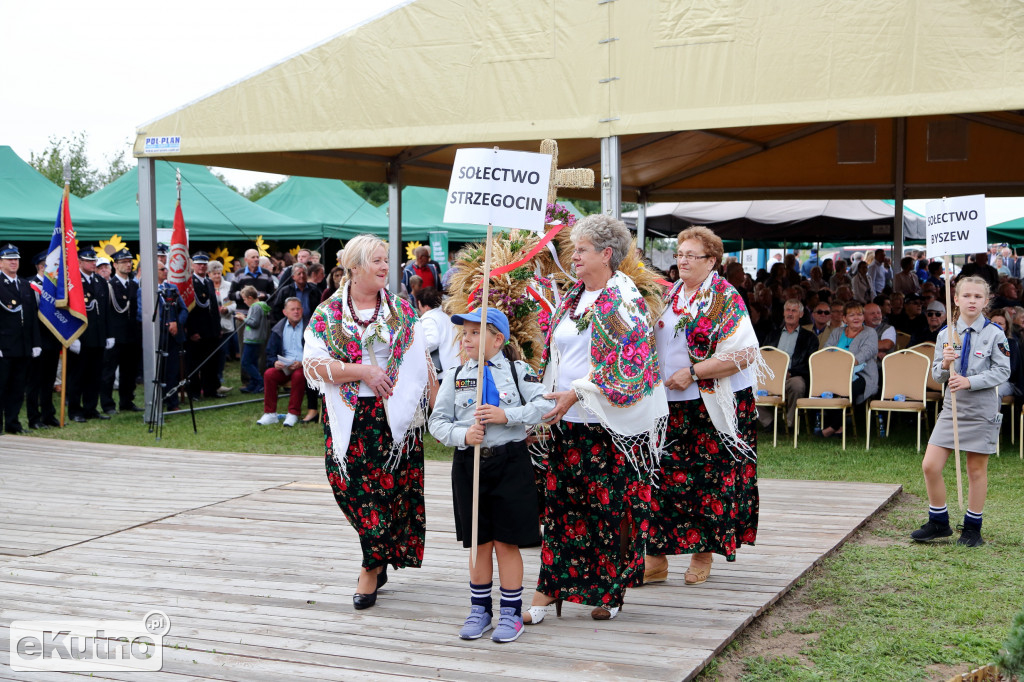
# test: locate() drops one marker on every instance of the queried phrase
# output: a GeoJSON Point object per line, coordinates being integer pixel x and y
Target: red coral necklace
{"type": "Point", "coordinates": [575, 301]}
{"type": "Point", "coordinates": [355, 316]}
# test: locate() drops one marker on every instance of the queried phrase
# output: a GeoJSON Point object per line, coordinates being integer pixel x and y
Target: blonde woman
{"type": "Point", "coordinates": [364, 351]}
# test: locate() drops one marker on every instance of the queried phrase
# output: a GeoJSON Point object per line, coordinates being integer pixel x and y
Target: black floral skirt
{"type": "Point", "coordinates": [704, 500]}
{"type": "Point", "coordinates": [597, 514]}
{"type": "Point", "coordinates": [384, 507]}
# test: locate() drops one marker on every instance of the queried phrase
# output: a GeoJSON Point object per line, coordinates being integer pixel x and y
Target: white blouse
{"type": "Point", "coordinates": [381, 352]}
{"type": "Point", "coordinates": [674, 355]}
{"type": "Point", "coordinates": [573, 349]}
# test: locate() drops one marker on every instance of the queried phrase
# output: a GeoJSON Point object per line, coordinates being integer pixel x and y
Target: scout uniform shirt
{"type": "Point", "coordinates": [985, 360]}
{"type": "Point", "coordinates": [456, 403]}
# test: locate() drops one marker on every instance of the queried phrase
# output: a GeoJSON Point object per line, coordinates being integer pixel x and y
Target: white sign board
{"type": "Point", "coordinates": [162, 145]}
{"type": "Point", "coordinates": [499, 187]}
{"type": "Point", "coordinates": [956, 226]}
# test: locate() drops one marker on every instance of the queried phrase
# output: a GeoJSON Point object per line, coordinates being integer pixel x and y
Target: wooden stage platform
{"type": "Point", "coordinates": [255, 566]}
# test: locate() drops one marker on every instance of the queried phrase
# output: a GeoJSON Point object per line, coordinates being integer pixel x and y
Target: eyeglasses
{"type": "Point", "coordinates": [934, 313]}
{"type": "Point", "coordinates": [687, 257]}
{"type": "Point", "coordinates": [822, 312]}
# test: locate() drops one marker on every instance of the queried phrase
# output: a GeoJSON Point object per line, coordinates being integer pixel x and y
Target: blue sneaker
{"type": "Point", "coordinates": [477, 623]}
{"type": "Point", "coordinates": [510, 626]}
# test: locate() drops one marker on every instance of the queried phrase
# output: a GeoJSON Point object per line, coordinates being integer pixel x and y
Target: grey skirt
{"type": "Point", "coordinates": [978, 428]}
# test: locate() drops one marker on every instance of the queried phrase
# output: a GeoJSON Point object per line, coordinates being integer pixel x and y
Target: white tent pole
{"type": "Point", "coordinates": [641, 222]}
{"type": "Point", "coordinates": [899, 163]}
{"type": "Point", "coordinates": [611, 177]}
{"type": "Point", "coordinates": [147, 274]}
{"type": "Point", "coordinates": [395, 227]}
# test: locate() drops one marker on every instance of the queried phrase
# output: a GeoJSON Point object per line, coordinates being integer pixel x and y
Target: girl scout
{"type": "Point", "coordinates": [508, 514]}
{"type": "Point", "coordinates": [981, 360]}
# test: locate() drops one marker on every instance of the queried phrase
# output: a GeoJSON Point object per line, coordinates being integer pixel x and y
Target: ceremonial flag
{"type": "Point", "coordinates": [61, 299]}
{"type": "Point", "coordinates": [178, 271]}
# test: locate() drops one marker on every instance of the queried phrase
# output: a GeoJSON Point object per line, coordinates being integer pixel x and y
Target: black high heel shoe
{"type": "Point", "coordinates": [365, 601]}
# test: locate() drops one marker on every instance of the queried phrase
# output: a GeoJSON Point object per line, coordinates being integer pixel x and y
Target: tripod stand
{"type": "Point", "coordinates": [168, 299]}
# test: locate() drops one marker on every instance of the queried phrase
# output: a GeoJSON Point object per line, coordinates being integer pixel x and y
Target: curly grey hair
{"type": "Point", "coordinates": [604, 232]}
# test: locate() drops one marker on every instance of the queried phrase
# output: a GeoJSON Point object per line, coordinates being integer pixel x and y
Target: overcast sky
{"type": "Point", "coordinates": [107, 66]}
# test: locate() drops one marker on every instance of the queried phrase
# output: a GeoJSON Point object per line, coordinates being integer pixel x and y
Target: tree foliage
{"type": "Point", "coordinates": [118, 164]}
{"type": "Point", "coordinates": [84, 178]}
{"type": "Point", "coordinates": [374, 192]}
{"type": "Point", "coordinates": [220, 176]}
{"type": "Point", "coordinates": [260, 190]}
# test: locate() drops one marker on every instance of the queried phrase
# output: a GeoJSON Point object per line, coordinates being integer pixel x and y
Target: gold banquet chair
{"type": "Point", "coordinates": [1006, 401]}
{"type": "Point", "coordinates": [902, 340]}
{"type": "Point", "coordinates": [904, 373]}
{"type": "Point", "coordinates": [933, 392]}
{"type": "Point", "coordinates": [831, 372]}
{"type": "Point", "coordinates": [778, 361]}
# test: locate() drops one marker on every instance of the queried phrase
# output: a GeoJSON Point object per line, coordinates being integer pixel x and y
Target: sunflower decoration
{"type": "Point", "coordinates": [109, 248]}
{"type": "Point", "coordinates": [262, 247]}
{"type": "Point", "coordinates": [221, 254]}
{"type": "Point", "coordinates": [295, 251]}
{"type": "Point", "coordinates": [410, 250]}
{"type": "Point", "coordinates": [135, 262]}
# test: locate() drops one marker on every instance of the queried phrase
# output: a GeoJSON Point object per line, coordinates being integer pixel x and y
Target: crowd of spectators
{"type": "Point", "coordinates": [870, 308]}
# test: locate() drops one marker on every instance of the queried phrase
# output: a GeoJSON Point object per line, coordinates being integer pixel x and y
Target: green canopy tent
{"type": "Point", "coordinates": [341, 212]}
{"type": "Point", "coordinates": [29, 203]}
{"type": "Point", "coordinates": [212, 210]}
{"type": "Point", "coordinates": [423, 212]}
{"type": "Point", "coordinates": [1010, 231]}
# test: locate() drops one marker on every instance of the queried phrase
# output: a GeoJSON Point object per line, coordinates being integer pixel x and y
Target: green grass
{"type": "Point", "coordinates": [225, 429]}
{"type": "Point", "coordinates": [881, 608]}
{"type": "Point", "coordinates": [884, 608]}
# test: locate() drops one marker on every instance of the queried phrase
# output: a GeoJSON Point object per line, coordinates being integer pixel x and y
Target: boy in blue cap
{"type": "Point", "coordinates": [512, 400]}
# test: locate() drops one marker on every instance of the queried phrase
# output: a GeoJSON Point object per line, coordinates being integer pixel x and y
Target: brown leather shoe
{"type": "Point", "coordinates": [655, 568]}
{"type": "Point", "coordinates": [699, 570]}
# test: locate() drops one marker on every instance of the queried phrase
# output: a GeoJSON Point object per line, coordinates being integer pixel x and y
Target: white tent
{"type": "Point", "coordinates": [793, 221]}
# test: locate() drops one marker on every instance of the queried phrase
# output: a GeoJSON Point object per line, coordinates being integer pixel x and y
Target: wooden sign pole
{"type": "Point", "coordinates": [482, 359]}
{"type": "Point", "coordinates": [952, 336]}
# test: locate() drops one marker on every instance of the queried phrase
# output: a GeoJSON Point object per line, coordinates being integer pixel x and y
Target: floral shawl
{"type": "Point", "coordinates": [623, 389]}
{"type": "Point", "coordinates": [716, 325]}
{"type": "Point", "coordinates": [332, 334]}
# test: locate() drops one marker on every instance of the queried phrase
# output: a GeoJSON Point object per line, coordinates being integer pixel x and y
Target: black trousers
{"type": "Point", "coordinates": [85, 371]}
{"type": "Point", "coordinates": [12, 389]}
{"type": "Point", "coordinates": [123, 360]}
{"type": "Point", "coordinates": [205, 380]}
{"type": "Point", "coordinates": [42, 374]}
{"type": "Point", "coordinates": [171, 374]}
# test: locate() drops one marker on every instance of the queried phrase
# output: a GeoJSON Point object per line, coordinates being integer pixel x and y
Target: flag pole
{"type": "Point", "coordinates": [63, 381]}
{"type": "Point", "coordinates": [64, 349]}
{"type": "Point", "coordinates": [481, 360]}
{"type": "Point", "coordinates": [951, 335]}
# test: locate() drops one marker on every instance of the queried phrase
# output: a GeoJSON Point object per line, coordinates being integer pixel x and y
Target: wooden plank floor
{"type": "Point", "coordinates": [255, 565]}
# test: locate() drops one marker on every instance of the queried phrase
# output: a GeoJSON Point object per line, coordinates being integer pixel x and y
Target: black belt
{"type": "Point", "coordinates": [486, 452]}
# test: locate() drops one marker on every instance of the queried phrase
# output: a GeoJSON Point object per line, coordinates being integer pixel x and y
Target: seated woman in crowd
{"type": "Point", "coordinates": [1015, 384]}
{"type": "Point", "coordinates": [862, 341]}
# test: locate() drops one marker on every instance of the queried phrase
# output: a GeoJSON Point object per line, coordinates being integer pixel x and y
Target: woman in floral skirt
{"type": "Point", "coordinates": [706, 500]}
{"type": "Point", "coordinates": [364, 351]}
{"type": "Point", "coordinates": [601, 366]}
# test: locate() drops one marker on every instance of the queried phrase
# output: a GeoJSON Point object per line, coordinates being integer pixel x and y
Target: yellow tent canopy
{"type": "Point", "coordinates": [706, 98]}
{"type": "Point", "coordinates": [668, 100]}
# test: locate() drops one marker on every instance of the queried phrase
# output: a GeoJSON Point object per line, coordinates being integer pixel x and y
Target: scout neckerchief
{"type": "Point", "coordinates": [334, 334]}
{"type": "Point", "coordinates": [623, 388]}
